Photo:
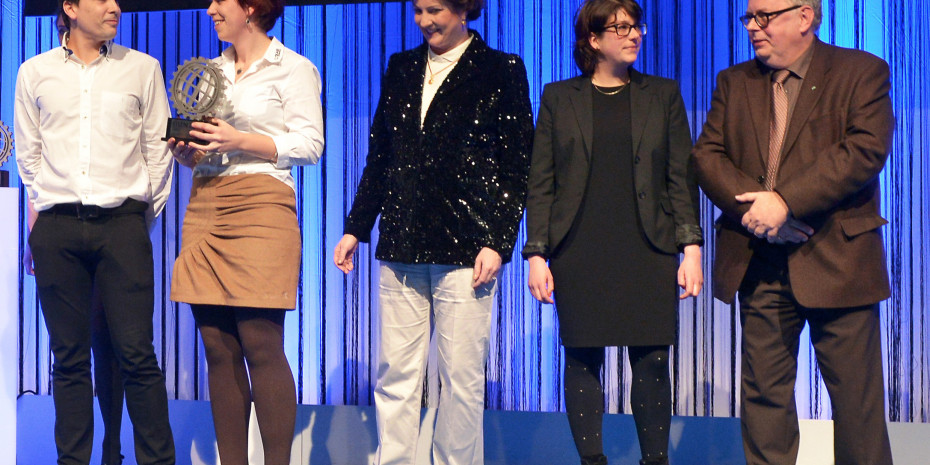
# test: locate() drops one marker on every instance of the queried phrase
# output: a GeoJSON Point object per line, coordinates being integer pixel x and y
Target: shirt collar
{"type": "Point", "coordinates": [65, 51]}
{"type": "Point", "coordinates": [273, 55]}
{"type": "Point", "coordinates": [451, 55]}
{"type": "Point", "coordinates": [105, 50]}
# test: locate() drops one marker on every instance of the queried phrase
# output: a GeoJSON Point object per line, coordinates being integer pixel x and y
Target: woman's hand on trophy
{"type": "Point", "coordinates": [184, 153]}
{"type": "Point", "coordinates": [219, 135]}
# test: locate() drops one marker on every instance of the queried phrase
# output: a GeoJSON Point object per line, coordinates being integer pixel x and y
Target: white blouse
{"type": "Point", "coordinates": [278, 96]}
{"type": "Point", "coordinates": [441, 66]}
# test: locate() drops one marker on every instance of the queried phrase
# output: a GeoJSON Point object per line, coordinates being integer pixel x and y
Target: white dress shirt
{"type": "Point", "coordinates": [441, 66]}
{"type": "Point", "coordinates": [278, 96]}
{"type": "Point", "coordinates": [90, 133]}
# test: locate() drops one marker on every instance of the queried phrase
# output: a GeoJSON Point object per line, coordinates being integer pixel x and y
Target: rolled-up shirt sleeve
{"type": "Point", "coordinates": [302, 143]}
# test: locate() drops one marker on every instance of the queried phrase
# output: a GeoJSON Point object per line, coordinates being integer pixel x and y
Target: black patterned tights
{"type": "Point", "coordinates": [650, 398]}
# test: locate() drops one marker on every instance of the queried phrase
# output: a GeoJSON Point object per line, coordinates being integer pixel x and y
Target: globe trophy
{"type": "Point", "coordinates": [6, 148]}
{"type": "Point", "coordinates": [198, 92]}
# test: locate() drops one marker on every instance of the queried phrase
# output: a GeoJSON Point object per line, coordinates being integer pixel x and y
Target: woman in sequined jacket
{"type": "Point", "coordinates": [446, 171]}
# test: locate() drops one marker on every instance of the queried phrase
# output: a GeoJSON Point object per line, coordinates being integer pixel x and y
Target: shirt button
{"type": "Point", "coordinates": [636, 159]}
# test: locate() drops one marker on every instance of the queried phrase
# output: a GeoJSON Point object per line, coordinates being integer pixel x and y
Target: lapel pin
{"type": "Point", "coordinates": [813, 87]}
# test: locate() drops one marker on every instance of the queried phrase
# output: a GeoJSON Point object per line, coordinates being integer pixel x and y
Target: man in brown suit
{"type": "Point", "coordinates": [791, 153]}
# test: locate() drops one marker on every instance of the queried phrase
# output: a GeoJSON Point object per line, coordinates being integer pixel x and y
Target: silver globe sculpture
{"type": "Point", "coordinates": [197, 92]}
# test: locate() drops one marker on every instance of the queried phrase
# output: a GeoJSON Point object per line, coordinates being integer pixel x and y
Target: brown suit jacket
{"type": "Point", "coordinates": [836, 145]}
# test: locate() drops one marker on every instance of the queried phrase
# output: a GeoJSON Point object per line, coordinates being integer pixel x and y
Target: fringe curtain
{"type": "Point", "coordinates": [331, 338]}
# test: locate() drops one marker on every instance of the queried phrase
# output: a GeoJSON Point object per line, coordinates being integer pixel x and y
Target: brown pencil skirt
{"type": "Point", "coordinates": [240, 244]}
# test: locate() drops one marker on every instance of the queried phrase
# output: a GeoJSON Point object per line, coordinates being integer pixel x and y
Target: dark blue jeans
{"type": "Point", "coordinates": [72, 253]}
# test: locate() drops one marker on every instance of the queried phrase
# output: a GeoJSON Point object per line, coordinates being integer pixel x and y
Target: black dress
{"type": "Point", "coordinates": [612, 287]}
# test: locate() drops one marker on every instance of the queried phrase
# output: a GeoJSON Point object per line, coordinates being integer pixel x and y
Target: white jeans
{"type": "Point", "coordinates": [408, 293]}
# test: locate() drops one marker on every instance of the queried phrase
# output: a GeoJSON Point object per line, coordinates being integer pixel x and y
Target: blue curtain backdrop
{"type": "Point", "coordinates": [331, 338]}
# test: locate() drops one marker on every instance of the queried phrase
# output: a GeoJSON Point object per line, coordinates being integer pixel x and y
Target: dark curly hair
{"type": "Point", "coordinates": [591, 19]}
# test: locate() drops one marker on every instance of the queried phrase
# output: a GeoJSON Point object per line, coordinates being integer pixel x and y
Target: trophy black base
{"type": "Point", "coordinates": [180, 130]}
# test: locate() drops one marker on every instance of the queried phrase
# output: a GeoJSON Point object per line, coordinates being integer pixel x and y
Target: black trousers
{"type": "Point", "coordinates": [108, 382]}
{"type": "Point", "coordinates": [847, 344]}
{"type": "Point", "coordinates": [72, 253]}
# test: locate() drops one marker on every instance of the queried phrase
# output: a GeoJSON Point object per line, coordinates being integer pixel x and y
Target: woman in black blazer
{"type": "Point", "coordinates": [611, 204]}
{"type": "Point", "coordinates": [446, 171]}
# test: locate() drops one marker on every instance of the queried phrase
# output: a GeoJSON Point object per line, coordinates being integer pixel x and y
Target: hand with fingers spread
{"type": "Point", "coordinates": [540, 280]}
{"type": "Point", "coordinates": [344, 252]}
{"type": "Point", "coordinates": [487, 264]}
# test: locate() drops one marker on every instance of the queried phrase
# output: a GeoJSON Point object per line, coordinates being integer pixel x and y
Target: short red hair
{"type": "Point", "coordinates": [266, 12]}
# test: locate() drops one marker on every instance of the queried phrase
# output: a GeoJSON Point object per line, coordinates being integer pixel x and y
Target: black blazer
{"type": "Point", "coordinates": [459, 183]}
{"type": "Point", "coordinates": [666, 189]}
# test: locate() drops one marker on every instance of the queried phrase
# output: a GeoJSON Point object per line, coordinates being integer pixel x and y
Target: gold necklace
{"type": "Point", "coordinates": [613, 92]}
{"type": "Point", "coordinates": [430, 68]}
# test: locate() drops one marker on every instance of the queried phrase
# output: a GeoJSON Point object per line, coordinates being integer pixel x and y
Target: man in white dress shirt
{"type": "Point", "coordinates": [88, 121]}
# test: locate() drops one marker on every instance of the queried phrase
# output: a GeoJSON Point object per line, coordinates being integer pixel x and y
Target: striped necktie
{"type": "Point", "coordinates": [777, 126]}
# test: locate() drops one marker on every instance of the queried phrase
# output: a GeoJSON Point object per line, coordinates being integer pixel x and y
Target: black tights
{"type": "Point", "coordinates": [244, 344]}
{"type": "Point", "coordinates": [650, 397]}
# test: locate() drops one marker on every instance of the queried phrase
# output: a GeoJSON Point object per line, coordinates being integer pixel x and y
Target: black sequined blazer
{"type": "Point", "coordinates": [458, 184]}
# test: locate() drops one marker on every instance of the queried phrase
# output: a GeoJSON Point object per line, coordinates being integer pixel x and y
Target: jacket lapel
{"type": "Point", "coordinates": [759, 99]}
{"type": "Point", "coordinates": [583, 104]}
{"type": "Point", "coordinates": [640, 101]}
{"type": "Point", "coordinates": [411, 90]}
{"type": "Point", "coordinates": [468, 64]}
{"type": "Point", "coordinates": [808, 97]}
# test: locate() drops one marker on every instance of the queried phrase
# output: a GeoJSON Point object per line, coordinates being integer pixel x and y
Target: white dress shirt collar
{"type": "Point", "coordinates": [453, 54]}
{"type": "Point", "coordinates": [105, 50]}
{"type": "Point", "coordinates": [273, 55]}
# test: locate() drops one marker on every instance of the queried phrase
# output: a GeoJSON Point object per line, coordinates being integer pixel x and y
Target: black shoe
{"type": "Point", "coordinates": [599, 459]}
{"type": "Point", "coordinates": [656, 461]}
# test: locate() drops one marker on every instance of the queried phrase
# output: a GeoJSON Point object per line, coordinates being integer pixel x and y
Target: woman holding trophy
{"type": "Point", "coordinates": [239, 261]}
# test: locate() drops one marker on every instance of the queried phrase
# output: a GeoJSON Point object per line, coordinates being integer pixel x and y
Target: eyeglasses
{"type": "Point", "coordinates": [762, 18]}
{"type": "Point", "coordinates": [623, 30]}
